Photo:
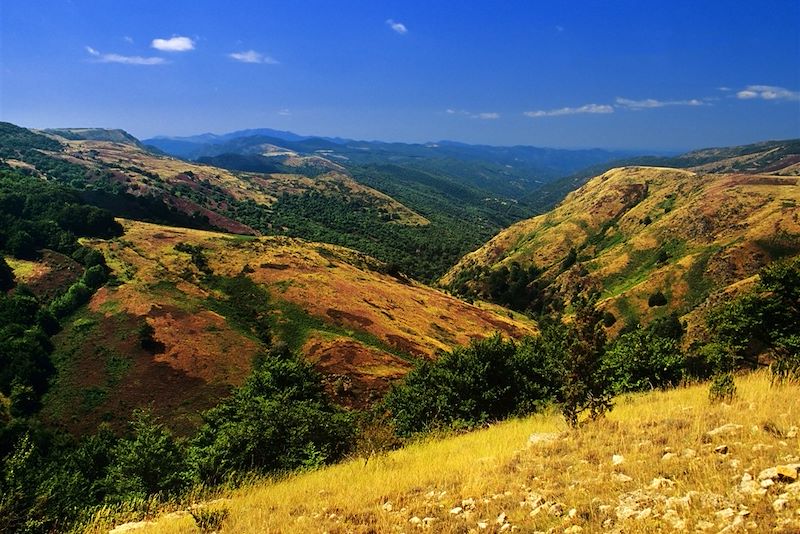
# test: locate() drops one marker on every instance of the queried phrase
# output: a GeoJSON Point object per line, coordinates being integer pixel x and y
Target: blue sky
{"type": "Point", "coordinates": [618, 74]}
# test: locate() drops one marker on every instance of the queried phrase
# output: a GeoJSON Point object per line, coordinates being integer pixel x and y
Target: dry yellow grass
{"type": "Point", "coordinates": [649, 467]}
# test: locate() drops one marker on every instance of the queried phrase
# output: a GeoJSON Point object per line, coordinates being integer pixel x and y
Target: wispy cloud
{"type": "Point", "coordinates": [251, 56]}
{"type": "Point", "coordinates": [486, 115]}
{"type": "Point", "coordinates": [125, 60]}
{"type": "Point", "coordinates": [398, 27]}
{"type": "Point", "coordinates": [173, 44]}
{"type": "Point", "coordinates": [128, 39]}
{"type": "Point", "coordinates": [285, 112]}
{"type": "Point", "coordinates": [588, 108]}
{"type": "Point", "coordinates": [650, 103]}
{"type": "Point", "coordinates": [767, 92]}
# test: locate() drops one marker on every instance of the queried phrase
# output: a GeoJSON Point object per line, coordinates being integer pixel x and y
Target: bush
{"type": "Point", "coordinates": [279, 420]}
{"type": "Point", "coordinates": [657, 299]}
{"type": "Point", "coordinates": [76, 296]}
{"type": "Point", "coordinates": [642, 359]}
{"type": "Point", "coordinates": [6, 275]}
{"type": "Point", "coordinates": [723, 388]}
{"type": "Point", "coordinates": [489, 380]}
{"type": "Point", "coordinates": [148, 462]}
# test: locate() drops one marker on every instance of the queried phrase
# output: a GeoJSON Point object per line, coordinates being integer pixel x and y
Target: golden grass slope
{"type": "Point", "coordinates": [362, 329]}
{"type": "Point", "coordinates": [651, 466]}
{"type": "Point", "coordinates": [715, 230]}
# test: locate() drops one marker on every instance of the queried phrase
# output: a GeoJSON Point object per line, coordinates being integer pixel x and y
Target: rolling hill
{"type": "Point", "coordinates": [191, 309]}
{"type": "Point", "coordinates": [635, 232]}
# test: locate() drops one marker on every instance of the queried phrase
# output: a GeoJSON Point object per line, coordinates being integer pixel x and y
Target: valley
{"type": "Point", "coordinates": [280, 305]}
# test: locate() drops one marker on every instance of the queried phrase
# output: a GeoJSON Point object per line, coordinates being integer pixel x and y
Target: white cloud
{"type": "Point", "coordinates": [767, 92]}
{"type": "Point", "coordinates": [398, 27]}
{"type": "Point", "coordinates": [285, 112]}
{"type": "Point", "coordinates": [125, 60]}
{"type": "Point", "coordinates": [486, 115]}
{"type": "Point", "coordinates": [650, 103]}
{"type": "Point", "coordinates": [251, 56]}
{"type": "Point", "coordinates": [588, 108]}
{"type": "Point", "coordinates": [128, 39]}
{"type": "Point", "coordinates": [173, 44]}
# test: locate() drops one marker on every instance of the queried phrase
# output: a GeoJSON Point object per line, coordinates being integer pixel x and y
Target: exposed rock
{"type": "Point", "coordinates": [727, 513]}
{"type": "Point", "coordinates": [468, 503]}
{"type": "Point", "coordinates": [767, 482]}
{"type": "Point", "coordinates": [538, 438]}
{"type": "Point", "coordinates": [644, 514]}
{"type": "Point", "coordinates": [127, 527]}
{"type": "Point", "coordinates": [556, 510]}
{"type": "Point", "coordinates": [621, 477]}
{"type": "Point", "coordinates": [501, 519]}
{"type": "Point", "coordinates": [724, 430]}
{"type": "Point", "coordinates": [482, 525]}
{"type": "Point", "coordinates": [617, 459]}
{"type": "Point", "coordinates": [722, 449]}
{"type": "Point", "coordinates": [672, 518]}
{"type": "Point", "coordinates": [787, 473]}
{"type": "Point", "coordinates": [704, 525]}
{"type": "Point", "coordinates": [457, 510]}
{"type": "Point", "coordinates": [661, 483]}
{"type": "Point", "coordinates": [689, 453]}
{"type": "Point", "coordinates": [668, 456]}
{"type": "Point", "coordinates": [415, 520]}
{"type": "Point", "coordinates": [779, 504]}
{"type": "Point", "coordinates": [387, 506]}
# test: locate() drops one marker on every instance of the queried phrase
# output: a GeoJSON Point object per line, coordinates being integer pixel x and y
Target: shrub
{"type": "Point", "coordinates": [486, 381]}
{"type": "Point", "coordinates": [723, 388]}
{"type": "Point", "coordinates": [6, 275]}
{"type": "Point", "coordinates": [642, 360]}
{"type": "Point", "coordinates": [656, 299]}
{"type": "Point", "coordinates": [280, 419]}
{"type": "Point", "coordinates": [150, 461]}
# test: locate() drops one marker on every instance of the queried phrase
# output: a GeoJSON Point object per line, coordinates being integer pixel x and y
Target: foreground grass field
{"type": "Point", "coordinates": [664, 461]}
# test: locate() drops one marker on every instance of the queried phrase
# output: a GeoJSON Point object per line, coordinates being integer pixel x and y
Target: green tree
{"type": "Point", "coordinates": [586, 386]}
{"type": "Point", "coordinates": [6, 275]}
{"type": "Point", "coordinates": [148, 462]}
{"type": "Point", "coordinates": [280, 419]}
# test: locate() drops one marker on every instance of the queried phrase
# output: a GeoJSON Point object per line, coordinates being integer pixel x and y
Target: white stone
{"type": "Point", "coordinates": [617, 459]}
{"type": "Point", "coordinates": [727, 513]}
{"type": "Point", "coordinates": [127, 527]}
{"type": "Point", "coordinates": [779, 504]}
{"type": "Point", "coordinates": [621, 477]}
{"type": "Point", "coordinates": [723, 430]}
{"type": "Point", "coordinates": [457, 510]}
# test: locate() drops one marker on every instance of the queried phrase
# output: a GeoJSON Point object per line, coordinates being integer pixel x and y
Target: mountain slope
{"type": "Point", "coordinates": [192, 309]}
{"type": "Point", "coordinates": [656, 464]}
{"type": "Point", "coordinates": [633, 232]}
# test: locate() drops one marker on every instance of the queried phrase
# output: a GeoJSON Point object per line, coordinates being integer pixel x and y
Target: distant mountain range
{"type": "Point", "coordinates": [511, 171]}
